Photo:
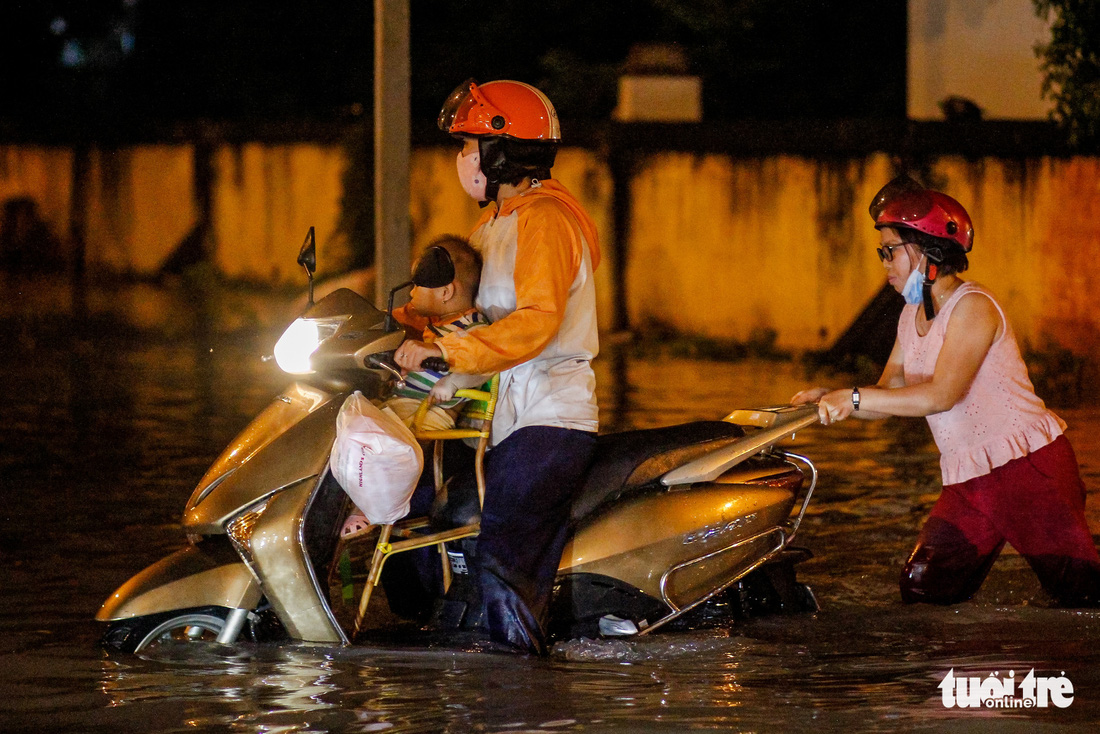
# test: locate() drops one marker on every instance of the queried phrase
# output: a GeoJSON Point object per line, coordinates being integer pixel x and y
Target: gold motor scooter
{"type": "Point", "coordinates": [667, 520]}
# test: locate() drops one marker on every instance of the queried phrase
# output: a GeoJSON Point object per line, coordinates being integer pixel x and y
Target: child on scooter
{"type": "Point", "coordinates": [445, 282]}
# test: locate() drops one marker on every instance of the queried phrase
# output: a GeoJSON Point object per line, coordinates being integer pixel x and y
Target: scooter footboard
{"type": "Point", "coordinates": [209, 574]}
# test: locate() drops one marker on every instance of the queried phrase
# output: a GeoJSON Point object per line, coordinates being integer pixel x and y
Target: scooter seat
{"type": "Point", "coordinates": [624, 463]}
{"type": "Point", "coordinates": [628, 462]}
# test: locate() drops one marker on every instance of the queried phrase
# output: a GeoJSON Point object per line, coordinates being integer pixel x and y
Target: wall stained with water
{"type": "Point", "coordinates": [729, 248]}
{"type": "Point", "coordinates": [42, 174]}
{"type": "Point", "coordinates": [264, 200]}
{"type": "Point", "coordinates": [717, 245]}
{"type": "Point", "coordinates": [140, 204]}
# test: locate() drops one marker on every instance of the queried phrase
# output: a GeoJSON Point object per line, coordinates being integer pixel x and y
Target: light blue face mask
{"type": "Point", "coordinates": [914, 285]}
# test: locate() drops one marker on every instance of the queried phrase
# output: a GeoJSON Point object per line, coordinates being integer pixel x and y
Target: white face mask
{"type": "Point", "coordinates": [470, 176]}
{"type": "Point", "coordinates": [913, 291]}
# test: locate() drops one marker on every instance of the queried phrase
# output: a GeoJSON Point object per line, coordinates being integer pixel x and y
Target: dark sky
{"type": "Point", "coordinates": [118, 62]}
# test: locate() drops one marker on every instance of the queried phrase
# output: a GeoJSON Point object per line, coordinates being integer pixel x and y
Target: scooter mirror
{"type": "Point", "coordinates": [307, 258]}
{"type": "Point", "coordinates": [389, 325]}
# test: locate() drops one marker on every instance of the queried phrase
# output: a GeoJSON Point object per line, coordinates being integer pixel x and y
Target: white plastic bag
{"type": "Point", "coordinates": [375, 459]}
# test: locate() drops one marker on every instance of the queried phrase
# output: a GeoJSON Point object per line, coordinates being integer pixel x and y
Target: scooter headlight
{"type": "Point", "coordinates": [301, 339]}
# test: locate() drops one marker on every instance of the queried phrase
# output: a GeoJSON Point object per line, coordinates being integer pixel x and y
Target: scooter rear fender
{"type": "Point", "coordinates": [209, 574]}
{"type": "Point", "coordinates": [648, 535]}
{"type": "Point", "coordinates": [679, 545]}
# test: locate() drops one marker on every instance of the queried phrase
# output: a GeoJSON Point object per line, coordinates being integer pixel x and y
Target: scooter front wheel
{"type": "Point", "coordinates": [185, 625]}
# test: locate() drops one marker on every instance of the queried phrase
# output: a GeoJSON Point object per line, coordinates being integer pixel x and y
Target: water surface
{"type": "Point", "coordinates": [107, 424]}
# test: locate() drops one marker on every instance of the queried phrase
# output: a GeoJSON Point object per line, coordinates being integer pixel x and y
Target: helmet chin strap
{"type": "Point", "coordinates": [931, 270]}
{"type": "Point", "coordinates": [492, 188]}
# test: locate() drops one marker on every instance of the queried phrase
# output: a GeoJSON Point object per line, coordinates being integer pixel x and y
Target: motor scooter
{"type": "Point", "coordinates": [671, 524]}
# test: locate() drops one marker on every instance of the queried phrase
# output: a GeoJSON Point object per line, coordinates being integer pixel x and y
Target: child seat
{"type": "Point", "coordinates": [477, 413]}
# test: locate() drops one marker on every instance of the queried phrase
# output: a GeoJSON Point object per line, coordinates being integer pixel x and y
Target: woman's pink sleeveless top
{"type": "Point", "coordinates": [999, 418]}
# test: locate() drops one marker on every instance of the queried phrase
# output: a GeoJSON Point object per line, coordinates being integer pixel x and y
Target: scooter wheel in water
{"type": "Point", "coordinates": [202, 624]}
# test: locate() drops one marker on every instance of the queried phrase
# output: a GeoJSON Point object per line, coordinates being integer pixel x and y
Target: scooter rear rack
{"type": "Point", "coordinates": [784, 535]}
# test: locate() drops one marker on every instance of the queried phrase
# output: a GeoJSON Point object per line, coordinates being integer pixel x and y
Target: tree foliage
{"type": "Point", "coordinates": [1071, 65]}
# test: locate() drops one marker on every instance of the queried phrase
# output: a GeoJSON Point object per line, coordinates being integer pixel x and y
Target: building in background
{"type": "Point", "coordinates": [977, 51]}
{"type": "Point", "coordinates": [656, 86]}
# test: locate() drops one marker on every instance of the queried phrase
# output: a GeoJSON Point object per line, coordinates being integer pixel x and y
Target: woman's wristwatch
{"type": "Point", "coordinates": [855, 398]}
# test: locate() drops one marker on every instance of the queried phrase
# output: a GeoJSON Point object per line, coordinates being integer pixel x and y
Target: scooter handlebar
{"type": "Point", "coordinates": [436, 364]}
{"type": "Point", "coordinates": [386, 361]}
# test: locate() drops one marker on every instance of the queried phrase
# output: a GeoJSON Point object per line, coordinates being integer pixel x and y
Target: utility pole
{"type": "Point", "coordinates": [392, 238]}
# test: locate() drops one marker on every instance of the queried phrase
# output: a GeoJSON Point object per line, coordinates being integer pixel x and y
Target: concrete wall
{"type": "Point", "coordinates": [718, 246]}
{"type": "Point", "coordinates": [726, 247]}
{"type": "Point", "coordinates": [140, 205]}
{"type": "Point", "coordinates": [42, 174]}
{"type": "Point", "coordinates": [1037, 228]}
{"type": "Point", "coordinates": [265, 199]}
{"type": "Point", "coordinates": [723, 247]}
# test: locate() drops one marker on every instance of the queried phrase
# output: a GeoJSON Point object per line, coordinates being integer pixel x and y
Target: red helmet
{"type": "Point", "coordinates": [511, 109]}
{"type": "Point", "coordinates": [930, 212]}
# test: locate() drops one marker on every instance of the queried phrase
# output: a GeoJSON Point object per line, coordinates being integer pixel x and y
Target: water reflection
{"type": "Point", "coordinates": [106, 428]}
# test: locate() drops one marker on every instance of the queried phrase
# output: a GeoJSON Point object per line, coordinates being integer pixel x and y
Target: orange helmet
{"type": "Point", "coordinates": [506, 108]}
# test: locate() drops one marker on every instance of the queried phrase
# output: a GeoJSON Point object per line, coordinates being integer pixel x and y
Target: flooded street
{"type": "Point", "coordinates": [107, 424]}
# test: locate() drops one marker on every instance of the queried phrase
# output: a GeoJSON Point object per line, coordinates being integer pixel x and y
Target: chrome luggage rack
{"type": "Point", "coordinates": [768, 425]}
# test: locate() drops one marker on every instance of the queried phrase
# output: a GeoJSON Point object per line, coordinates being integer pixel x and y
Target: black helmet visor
{"type": "Point", "coordinates": [901, 185]}
{"type": "Point", "coordinates": [434, 269]}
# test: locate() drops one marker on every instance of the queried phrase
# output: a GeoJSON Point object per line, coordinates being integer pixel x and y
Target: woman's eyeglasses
{"type": "Point", "coordinates": [886, 252]}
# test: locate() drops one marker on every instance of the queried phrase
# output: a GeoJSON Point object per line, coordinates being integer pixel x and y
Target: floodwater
{"type": "Point", "coordinates": [109, 417]}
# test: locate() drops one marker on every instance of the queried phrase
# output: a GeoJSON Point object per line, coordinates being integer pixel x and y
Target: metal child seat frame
{"type": "Point", "coordinates": [479, 409]}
